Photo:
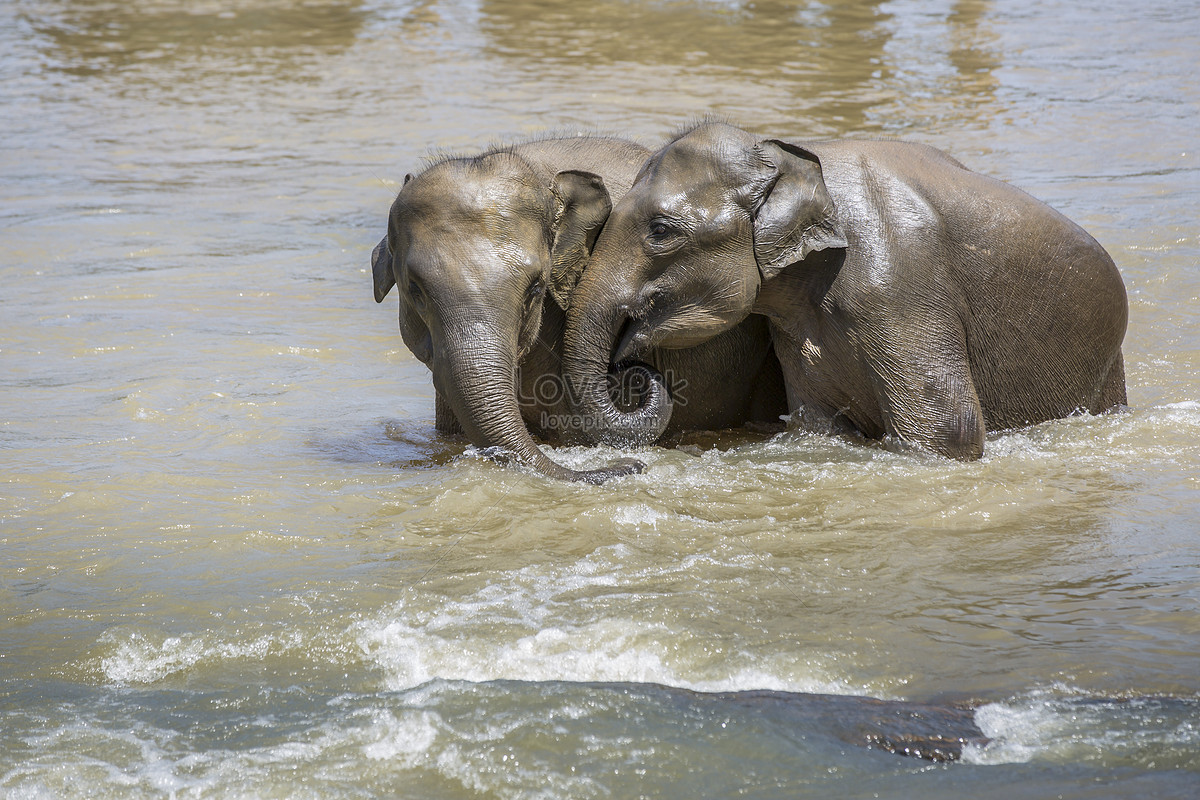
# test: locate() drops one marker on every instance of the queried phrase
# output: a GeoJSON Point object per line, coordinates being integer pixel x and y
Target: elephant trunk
{"type": "Point", "coordinates": [591, 380]}
{"type": "Point", "coordinates": [480, 384]}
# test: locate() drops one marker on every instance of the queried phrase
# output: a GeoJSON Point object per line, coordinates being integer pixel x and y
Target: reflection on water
{"type": "Point", "coordinates": [235, 557]}
{"type": "Point", "coordinates": [784, 39]}
{"type": "Point", "coordinates": [821, 67]}
{"type": "Point", "coordinates": [695, 47]}
{"type": "Point", "coordinates": [95, 37]}
{"type": "Point", "coordinates": [972, 43]}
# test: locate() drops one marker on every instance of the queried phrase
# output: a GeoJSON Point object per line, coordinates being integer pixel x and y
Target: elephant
{"type": "Point", "coordinates": [910, 300]}
{"type": "Point", "coordinates": [474, 245]}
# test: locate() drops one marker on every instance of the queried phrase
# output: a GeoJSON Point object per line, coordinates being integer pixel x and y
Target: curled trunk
{"type": "Point", "coordinates": [592, 378]}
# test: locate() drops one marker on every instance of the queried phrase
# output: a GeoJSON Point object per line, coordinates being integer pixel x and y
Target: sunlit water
{"type": "Point", "coordinates": [235, 559]}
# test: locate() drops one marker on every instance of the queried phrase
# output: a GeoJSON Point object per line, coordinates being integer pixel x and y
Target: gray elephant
{"type": "Point", "coordinates": [475, 244]}
{"type": "Point", "coordinates": [909, 298]}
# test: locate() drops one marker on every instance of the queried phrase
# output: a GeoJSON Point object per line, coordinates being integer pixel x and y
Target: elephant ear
{"type": "Point", "coordinates": [581, 208]}
{"type": "Point", "coordinates": [381, 263]}
{"type": "Point", "coordinates": [381, 266]}
{"type": "Point", "coordinates": [795, 214]}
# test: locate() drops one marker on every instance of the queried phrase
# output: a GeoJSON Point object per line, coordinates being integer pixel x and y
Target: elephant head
{"type": "Point", "coordinates": [474, 245]}
{"type": "Point", "coordinates": [683, 254]}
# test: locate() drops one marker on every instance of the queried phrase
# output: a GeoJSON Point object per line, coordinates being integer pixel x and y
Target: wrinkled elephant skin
{"type": "Point", "coordinates": [909, 298]}
{"type": "Point", "coordinates": [485, 252]}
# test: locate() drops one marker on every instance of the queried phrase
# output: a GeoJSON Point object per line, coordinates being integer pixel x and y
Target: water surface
{"type": "Point", "coordinates": [236, 560]}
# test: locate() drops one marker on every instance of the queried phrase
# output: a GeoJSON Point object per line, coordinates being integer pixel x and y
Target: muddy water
{"type": "Point", "coordinates": [235, 560]}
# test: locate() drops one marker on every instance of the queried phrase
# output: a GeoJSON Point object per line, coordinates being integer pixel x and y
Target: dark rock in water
{"type": "Point", "coordinates": [934, 732]}
{"type": "Point", "coordinates": [922, 730]}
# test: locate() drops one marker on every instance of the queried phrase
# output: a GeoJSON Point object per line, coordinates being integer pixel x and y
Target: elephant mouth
{"type": "Point", "coordinates": [631, 384]}
{"type": "Point", "coordinates": [633, 342]}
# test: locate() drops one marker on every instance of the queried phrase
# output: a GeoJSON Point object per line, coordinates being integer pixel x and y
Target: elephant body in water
{"type": "Point", "coordinates": [909, 298]}
{"type": "Point", "coordinates": [475, 245]}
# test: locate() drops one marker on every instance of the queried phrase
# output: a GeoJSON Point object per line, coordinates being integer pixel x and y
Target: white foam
{"type": "Point", "coordinates": [607, 650]}
{"type": "Point", "coordinates": [758, 679]}
{"type": "Point", "coordinates": [1017, 733]}
{"type": "Point", "coordinates": [138, 657]}
{"type": "Point", "coordinates": [1067, 726]}
{"type": "Point", "coordinates": [136, 758]}
{"type": "Point", "coordinates": [638, 515]}
{"type": "Point", "coordinates": [603, 651]}
{"type": "Point", "coordinates": [404, 738]}
{"type": "Point", "coordinates": [588, 620]}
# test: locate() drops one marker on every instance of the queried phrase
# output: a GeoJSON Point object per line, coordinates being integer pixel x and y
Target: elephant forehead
{"type": "Point", "coordinates": [465, 200]}
{"type": "Point", "coordinates": [686, 169]}
{"type": "Point", "coordinates": [721, 160]}
{"type": "Point", "coordinates": [705, 205]}
{"type": "Point", "coordinates": [506, 213]}
{"type": "Point", "coordinates": [689, 185]}
{"type": "Point", "coordinates": [484, 254]}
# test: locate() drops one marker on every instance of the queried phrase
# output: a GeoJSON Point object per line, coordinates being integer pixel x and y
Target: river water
{"type": "Point", "coordinates": [236, 560]}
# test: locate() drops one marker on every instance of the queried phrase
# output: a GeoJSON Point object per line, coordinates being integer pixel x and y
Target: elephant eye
{"type": "Point", "coordinates": [535, 291]}
{"type": "Point", "coordinates": [664, 236]}
{"type": "Point", "coordinates": [415, 292]}
{"type": "Point", "coordinates": [660, 229]}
